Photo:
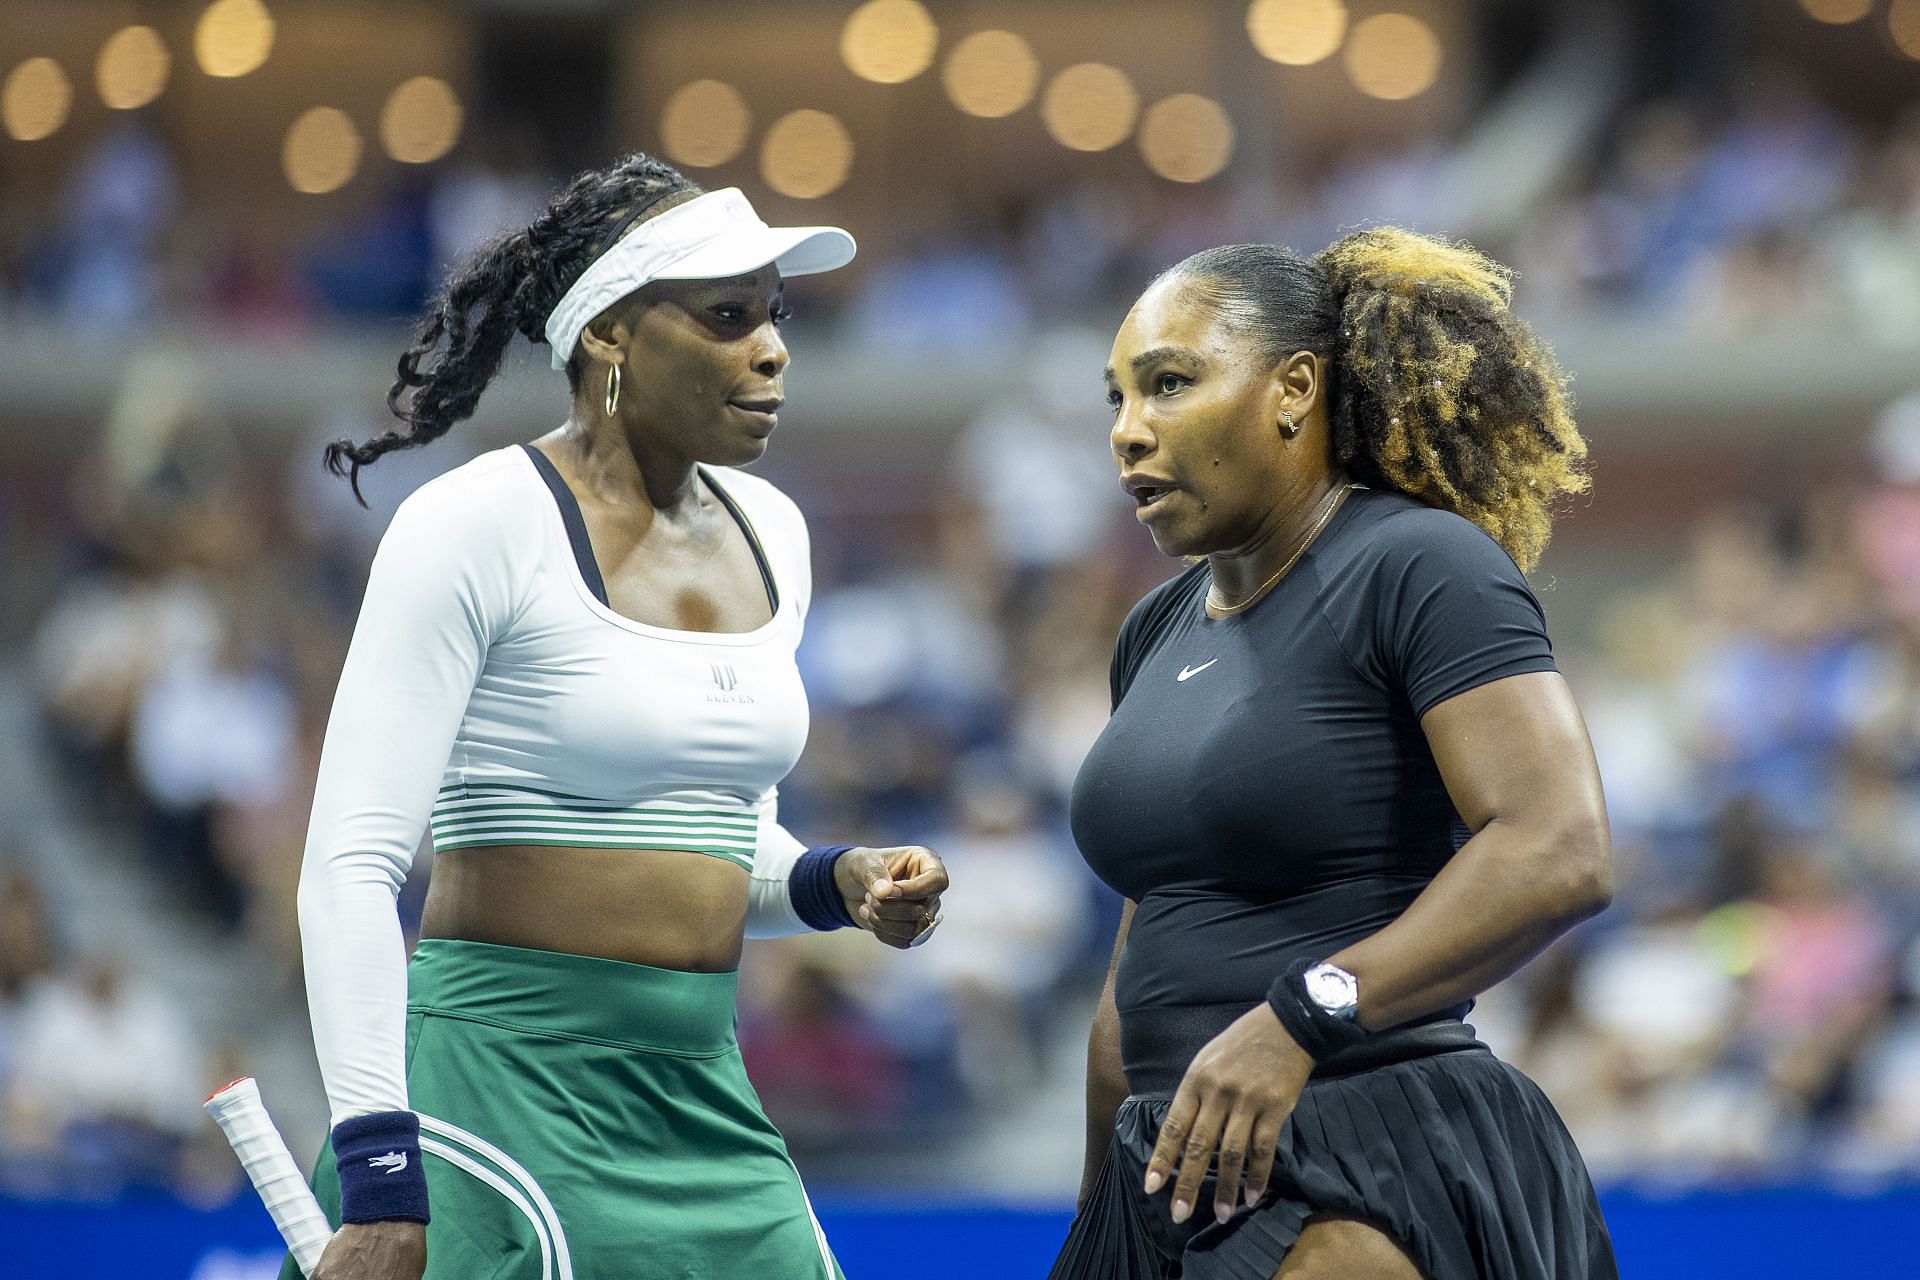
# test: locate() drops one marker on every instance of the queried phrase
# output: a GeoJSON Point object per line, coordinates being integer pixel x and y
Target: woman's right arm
{"type": "Point", "coordinates": [1106, 1082]}
{"type": "Point", "coordinates": [435, 596]}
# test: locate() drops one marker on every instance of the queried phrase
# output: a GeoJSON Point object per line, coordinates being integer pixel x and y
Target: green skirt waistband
{"type": "Point", "coordinates": [585, 998]}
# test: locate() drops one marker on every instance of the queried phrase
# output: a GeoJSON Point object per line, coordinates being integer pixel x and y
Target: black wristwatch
{"type": "Point", "coordinates": [1334, 990]}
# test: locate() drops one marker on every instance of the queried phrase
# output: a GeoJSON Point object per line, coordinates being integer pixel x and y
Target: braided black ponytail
{"type": "Point", "coordinates": [509, 286]}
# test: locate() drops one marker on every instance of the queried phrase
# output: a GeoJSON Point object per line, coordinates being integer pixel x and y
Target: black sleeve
{"type": "Point", "coordinates": [1120, 670]}
{"type": "Point", "coordinates": [1127, 650]}
{"type": "Point", "coordinates": [1143, 624]}
{"type": "Point", "coordinates": [1452, 610]}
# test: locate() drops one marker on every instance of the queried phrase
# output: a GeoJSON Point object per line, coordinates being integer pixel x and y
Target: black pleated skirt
{"type": "Point", "coordinates": [1456, 1155]}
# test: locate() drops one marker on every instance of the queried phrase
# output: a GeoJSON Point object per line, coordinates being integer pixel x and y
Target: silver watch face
{"type": "Point", "coordinates": [1333, 989]}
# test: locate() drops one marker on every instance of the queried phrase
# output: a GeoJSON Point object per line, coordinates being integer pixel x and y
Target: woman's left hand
{"type": "Point", "coordinates": [894, 894]}
{"type": "Point", "coordinates": [1237, 1093]}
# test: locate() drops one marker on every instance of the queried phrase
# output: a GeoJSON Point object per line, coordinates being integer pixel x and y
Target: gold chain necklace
{"type": "Point", "coordinates": [1332, 504]}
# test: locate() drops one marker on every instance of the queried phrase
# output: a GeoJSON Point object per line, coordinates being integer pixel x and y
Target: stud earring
{"type": "Point", "coordinates": [613, 388]}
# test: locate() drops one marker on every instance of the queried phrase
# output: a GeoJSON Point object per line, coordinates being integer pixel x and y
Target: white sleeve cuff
{"type": "Point", "coordinates": [770, 912]}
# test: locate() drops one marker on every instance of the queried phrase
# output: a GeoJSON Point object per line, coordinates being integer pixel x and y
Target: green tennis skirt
{"type": "Point", "coordinates": [588, 1119]}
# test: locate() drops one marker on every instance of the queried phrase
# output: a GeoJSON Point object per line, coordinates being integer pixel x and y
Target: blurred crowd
{"type": "Point", "coordinates": [1724, 216]}
{"type": "Point", "coordinates": [101, 1071]}
{"type": "Point", "coordinates": [1775, 212]}
{"type": "Point", "coordinates": [1750, 1008]}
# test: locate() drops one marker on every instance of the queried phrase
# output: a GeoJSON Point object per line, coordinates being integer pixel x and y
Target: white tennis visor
{"type": "Point", "coordinates": [710, 237]}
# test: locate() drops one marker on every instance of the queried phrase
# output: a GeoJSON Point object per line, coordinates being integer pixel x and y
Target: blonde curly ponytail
{"type": "Point", "coordinates": [1438, 390]}
{"type": "Point", "coordinates": [1443, 392]}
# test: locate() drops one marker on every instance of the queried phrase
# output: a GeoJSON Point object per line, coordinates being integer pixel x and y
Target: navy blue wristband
{"type": "Point", "coordinates": [811, 888]}
{"type": "Point", "coordinates": [380, 1175]}
{"type": "Point", "coordinates": [1314, 1029]}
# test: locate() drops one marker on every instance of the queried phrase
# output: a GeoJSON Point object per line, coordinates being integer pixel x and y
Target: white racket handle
{"type": "Point", "coordinates": [241, 1115]}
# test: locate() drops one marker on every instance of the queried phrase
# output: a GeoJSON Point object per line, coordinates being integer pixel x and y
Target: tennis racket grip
{"type": "Point", "coordinates": [241, 1115]}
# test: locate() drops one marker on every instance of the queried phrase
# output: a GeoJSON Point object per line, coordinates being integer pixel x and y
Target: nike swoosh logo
{"type": "Point", "coordinates": [1187, 673]}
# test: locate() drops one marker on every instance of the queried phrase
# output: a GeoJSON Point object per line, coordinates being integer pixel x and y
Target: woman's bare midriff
{"type": "Point", "coordinates": [671, 910]}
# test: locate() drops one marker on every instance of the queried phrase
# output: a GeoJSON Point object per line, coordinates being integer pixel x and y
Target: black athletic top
{"type": "Point", "coordinates": [1263, 790]}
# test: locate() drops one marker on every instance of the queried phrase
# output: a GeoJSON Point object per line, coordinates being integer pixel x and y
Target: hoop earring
{"type": "Point", "coordinates": [613, 388]}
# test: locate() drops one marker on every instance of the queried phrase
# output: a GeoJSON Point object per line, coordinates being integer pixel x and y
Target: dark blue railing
{"type": "Point", "coordinates": [1698, 1235]}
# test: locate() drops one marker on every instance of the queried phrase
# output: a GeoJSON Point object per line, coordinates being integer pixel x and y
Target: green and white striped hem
{"type": "Point", "coordinates": [482, 1160]}
{"type": "Point", "coordinates": [466, 816]}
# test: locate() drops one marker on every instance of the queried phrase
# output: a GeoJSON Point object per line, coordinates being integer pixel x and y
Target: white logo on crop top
{"type": "Point", "coordinates": [392, 1162]}
{"type": "Point", "coordinates": [726, 680]}
{"type": "Point", "coordinates": [1187, 673]}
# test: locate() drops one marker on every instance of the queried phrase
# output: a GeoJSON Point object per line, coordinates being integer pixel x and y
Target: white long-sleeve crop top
{"type": "Point", "coordinates": [491, 694]}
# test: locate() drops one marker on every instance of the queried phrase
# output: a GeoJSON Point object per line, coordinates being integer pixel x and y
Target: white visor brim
{"type": "Point", "coordinates": [797, 251]}
{"type": "Point", "coordinates": [711, 237]}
